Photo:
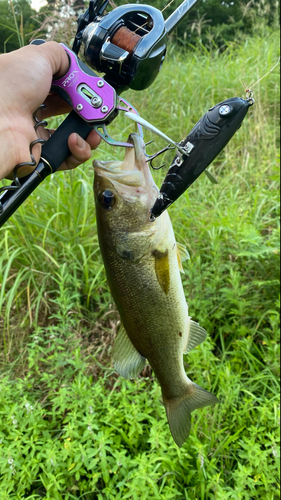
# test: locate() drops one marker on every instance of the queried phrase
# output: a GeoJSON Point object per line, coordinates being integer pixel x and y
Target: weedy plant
{"type": "Point", "coordinates": [70, 427]}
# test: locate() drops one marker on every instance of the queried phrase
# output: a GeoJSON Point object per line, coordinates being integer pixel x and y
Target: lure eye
{"type": "Point", "coordinates": [107, 199]}
{"type": "Point", "coordinates": [225, 110]}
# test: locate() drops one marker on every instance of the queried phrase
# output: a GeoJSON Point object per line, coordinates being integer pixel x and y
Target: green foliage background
{"type": "Point", "coordinates": [16, 22]}
{"type": "Point", "coordinates": [214, 23]}
{"type": "Point", "coordinates": [69, 426]}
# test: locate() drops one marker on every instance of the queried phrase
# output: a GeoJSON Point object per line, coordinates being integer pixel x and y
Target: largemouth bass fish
{"type": "Point", "coordinates": [142, 262]}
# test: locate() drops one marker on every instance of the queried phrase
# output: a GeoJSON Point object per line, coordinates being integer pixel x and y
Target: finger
{"type": "Point", "coordinates": [78, 146]}
{"type": "Point", "coordinates": [81, 152]}
{"type": "Point", "coordinates": [74, 140]}
{"type": "Point", "coordinates": [80, 149]}
{"type": "Point", "coordinates": [56, 55]}
{"type": "Point", "coordinates": [93, 139]}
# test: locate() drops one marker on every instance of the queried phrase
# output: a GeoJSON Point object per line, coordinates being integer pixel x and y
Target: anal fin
{"type": "Point", "coordinates": [196, 335]}
{"type": "Point", "coordinates": [128, 362]}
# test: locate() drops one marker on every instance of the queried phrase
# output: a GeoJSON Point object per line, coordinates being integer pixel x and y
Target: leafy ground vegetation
{"type": "Point", "coordinates": [70, 427]}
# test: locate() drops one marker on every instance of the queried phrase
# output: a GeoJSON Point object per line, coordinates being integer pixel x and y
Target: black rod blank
{"type": "Point", "coordinates": [178, 15]}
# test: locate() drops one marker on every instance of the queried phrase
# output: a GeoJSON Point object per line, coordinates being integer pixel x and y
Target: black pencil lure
{"type": "Point", "coordinates": [205, 141]}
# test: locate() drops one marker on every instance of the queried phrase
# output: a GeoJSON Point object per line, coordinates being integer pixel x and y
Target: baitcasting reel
{"type": "Point", "coordinates": [129, 43]}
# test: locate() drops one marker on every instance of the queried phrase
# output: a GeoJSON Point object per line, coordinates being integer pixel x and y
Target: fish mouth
{"type": "Point", "coordinates": [135, 158]}
{"type": "Point", "coordinates": [133, 170]}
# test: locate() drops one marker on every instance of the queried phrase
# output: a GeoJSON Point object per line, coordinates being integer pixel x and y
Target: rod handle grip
{"type": "Point", "coordinates": [56, 149]}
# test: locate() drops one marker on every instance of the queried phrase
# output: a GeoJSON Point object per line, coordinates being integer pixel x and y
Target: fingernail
{"type": "Point", "coordinates": [80, 142]}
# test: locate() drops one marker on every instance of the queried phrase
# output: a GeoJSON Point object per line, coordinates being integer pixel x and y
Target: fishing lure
{"type": "Point", "coordinates": [205, 141]}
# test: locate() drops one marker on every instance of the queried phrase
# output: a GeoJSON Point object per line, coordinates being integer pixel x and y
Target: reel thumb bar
{"type": "Point", "coordinates": [53, 154]}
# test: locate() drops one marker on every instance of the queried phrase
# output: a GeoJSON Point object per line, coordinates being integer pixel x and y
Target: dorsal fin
{"type": "Point", "coordinates": [182, 255]}
{"type": "Point", "coordinates": [196, 335]}
{"type": "Point", "coordinates": [128, 362]}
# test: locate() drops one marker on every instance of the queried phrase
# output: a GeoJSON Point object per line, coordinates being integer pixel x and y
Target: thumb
{"type": "Point", "coordinates": [56, 56]}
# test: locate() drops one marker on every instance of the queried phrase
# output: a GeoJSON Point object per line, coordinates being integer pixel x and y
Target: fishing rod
{"type": "Point", "coordinates": [128, 45]}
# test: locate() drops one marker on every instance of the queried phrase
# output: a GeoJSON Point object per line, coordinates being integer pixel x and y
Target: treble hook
{"type": "Point", "coordinates": [152, 157]}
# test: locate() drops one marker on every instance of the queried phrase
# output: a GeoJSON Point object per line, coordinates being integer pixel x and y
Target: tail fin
{"type": "Point", "coordinates": [179, 410]}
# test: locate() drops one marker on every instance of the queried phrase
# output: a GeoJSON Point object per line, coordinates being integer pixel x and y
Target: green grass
{"type": "Point", "coordinates": [69, 426]}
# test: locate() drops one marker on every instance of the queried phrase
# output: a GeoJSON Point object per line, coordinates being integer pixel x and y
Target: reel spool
{"type": "Point", "coordinates": [128, 45]}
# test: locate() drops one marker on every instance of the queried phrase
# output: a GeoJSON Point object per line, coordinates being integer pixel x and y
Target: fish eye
{"type": "Point", "coordinates": [107, 199]}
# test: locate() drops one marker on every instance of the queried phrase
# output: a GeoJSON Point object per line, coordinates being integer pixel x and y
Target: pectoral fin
{"type": "Point", "coordinates": [182, 255]}
{"type": "Point", "coordinates": [128, 362]}
{"type": "Point", "coordinates": [196, 335]}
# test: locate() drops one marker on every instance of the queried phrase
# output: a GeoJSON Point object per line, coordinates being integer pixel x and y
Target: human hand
{"type": "Point", "coordinates": [25, 80]}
